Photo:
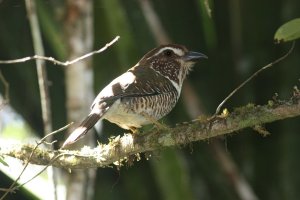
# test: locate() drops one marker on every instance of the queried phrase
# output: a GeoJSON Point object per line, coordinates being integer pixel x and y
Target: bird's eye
{"type": "Point", "coordinates": [168, 52]}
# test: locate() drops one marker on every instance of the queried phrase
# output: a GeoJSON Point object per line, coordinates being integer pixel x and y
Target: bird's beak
{"type": "Point", "coordinates": [193, 56]}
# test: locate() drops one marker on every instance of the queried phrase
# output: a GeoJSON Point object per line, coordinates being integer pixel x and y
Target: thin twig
{"type": "Point", "coordinates": [253, 75]}
{"type": "Point", "coordinates": [41, 171]}
{"type": "Point", "coordinates": [12, 187]}
{"type": "Point", "coordinates": [57, 62]}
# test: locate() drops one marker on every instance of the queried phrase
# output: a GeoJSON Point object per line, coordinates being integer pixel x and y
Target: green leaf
{"type": "Point", "coordinates": [3, 162]}
{"type": "Point", "coordinates": [288, 31]}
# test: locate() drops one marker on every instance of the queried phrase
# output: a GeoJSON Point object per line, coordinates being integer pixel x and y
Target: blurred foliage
{"type": "Point", "coordinates": [238, 39]}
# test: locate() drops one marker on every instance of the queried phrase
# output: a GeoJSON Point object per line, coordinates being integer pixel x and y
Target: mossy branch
{"type": "Point", "coordinates": [119, 149]}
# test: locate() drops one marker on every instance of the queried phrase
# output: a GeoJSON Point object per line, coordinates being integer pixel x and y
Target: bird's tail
{"type": "Point", "coordinates": [82, 129]}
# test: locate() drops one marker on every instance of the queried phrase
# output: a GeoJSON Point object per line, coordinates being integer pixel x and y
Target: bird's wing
{"type": "Point", "coordinates": [136, 82]}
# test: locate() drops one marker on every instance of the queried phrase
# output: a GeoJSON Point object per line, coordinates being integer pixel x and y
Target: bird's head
{"type": "Point", "coordinates": [173, 61]}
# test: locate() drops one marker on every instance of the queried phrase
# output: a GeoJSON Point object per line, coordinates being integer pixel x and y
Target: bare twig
{"type": "Point", "coordinates": [57, 62]}
{"type": "Point", "coordinates": [253, 75]}
{"type": "Point", "coordinates": [39, 173]}
{"type": "Point", "coordinates": [12, 187]}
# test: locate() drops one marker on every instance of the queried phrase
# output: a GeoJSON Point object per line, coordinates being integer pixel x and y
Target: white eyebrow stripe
{"type": "Point", "coordinates": [177, 51]}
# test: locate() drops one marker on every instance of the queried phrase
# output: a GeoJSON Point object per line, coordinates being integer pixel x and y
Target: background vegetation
{"type": "Point", "coordinates": [238, 39]}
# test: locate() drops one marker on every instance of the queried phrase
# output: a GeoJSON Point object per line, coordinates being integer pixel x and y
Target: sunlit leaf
{"type": "Point", "coordinates": [288, 31]}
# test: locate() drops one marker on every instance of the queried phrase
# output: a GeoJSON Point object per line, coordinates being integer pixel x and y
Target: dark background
{"type": "Point", "coordinates": [238, 40]}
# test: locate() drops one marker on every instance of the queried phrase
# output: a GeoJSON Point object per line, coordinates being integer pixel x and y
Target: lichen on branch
{"type": "Point", "coordinates": [121, 148]}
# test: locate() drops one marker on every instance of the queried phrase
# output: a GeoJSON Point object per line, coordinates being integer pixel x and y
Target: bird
{"type": "Point", "coordinates": [143, 94]}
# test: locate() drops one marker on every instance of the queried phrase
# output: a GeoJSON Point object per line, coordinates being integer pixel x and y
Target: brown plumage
{"type": "Point", "coordinates": [146, 92]}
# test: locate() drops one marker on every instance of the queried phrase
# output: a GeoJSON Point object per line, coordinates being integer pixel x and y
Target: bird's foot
{"type": "Point", "coordinates": [134, 130]}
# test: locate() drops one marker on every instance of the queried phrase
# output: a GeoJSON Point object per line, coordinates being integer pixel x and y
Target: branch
{"type": "Point", "coordinates": [57, 62]}
{"type": "Point", "coordinates": [119, 149]}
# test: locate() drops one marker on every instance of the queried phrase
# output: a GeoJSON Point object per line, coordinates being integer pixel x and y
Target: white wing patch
{"type": "Point", "coordinates": [124, 80]}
